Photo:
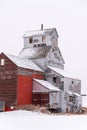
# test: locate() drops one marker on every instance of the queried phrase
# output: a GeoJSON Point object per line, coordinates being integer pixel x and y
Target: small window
{"type": "Point", "coordinates": [2, 62]}
{"type": "Point", "coordinates": [53, 49]}
{"type": "Point", "coordinates": [38, 45]}
{"type": "Point", "coordinates": [43, 38]}
{"type": "Point", "coordinates": [54, 79]}
{"type": "Point", "coordinates": [72, 82]}
{"type": "Point", "coordinates": [30, 40]}
{"type": "Point", "coordinates": [70, 98]}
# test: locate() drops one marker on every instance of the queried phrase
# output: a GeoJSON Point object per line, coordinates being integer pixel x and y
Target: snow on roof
{"type": "Point", "coordinates": [77, 94]}
{"type": "Point", "coordinates": [62, 72]}
{"type": "Point", "coordinates": [70, 93]}
{"type": "Point", "coordinates": [73, 93]}
{"type": "Point", "coordinates": [32, 33]}
{"type": "Point", "coordinates": [23, 62]}
{"type": "Point", "coordinates": [47, 85]}
{"type": "Point", "coordinates": [40, 52]}
{"type": "Point", "coordinates": [28, 52]}
{"type": "Point", "coordinates": [39, 32]}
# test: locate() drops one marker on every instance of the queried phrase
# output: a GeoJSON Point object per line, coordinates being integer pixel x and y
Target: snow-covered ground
{"type": "Point", "coordinates": [26, 120]}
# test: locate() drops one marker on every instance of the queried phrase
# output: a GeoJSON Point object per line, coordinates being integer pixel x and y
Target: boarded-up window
{"type": "Point", "coordinates": [43, 38]}
{"type": "Point", "coordinates": [70, 98]}
{"type": "Point", "coordinates": [30, 40]}
{"type": "Point", "coordinates": [2, 62]}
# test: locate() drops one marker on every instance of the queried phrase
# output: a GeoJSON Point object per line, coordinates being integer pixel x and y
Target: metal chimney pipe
{"type": "Point", "coordinates": [41, 26]}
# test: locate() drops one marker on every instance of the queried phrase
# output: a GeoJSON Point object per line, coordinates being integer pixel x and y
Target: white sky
{"type": "Point", "coordinates": [68, 16]}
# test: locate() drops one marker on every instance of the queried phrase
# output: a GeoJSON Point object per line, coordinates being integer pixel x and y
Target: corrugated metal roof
{"type": "Point", "coordinates": [62, 72]}
{"type": "Point", "coordinates": [40, 32]}
{"type": "Point", "coordinates": [23, 62]}
{"type": "Point", "coordinates": [48, 85]}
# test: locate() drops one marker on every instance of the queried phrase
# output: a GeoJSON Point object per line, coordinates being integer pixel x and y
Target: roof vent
{"type": "Point", "coordinates": [41, 26]}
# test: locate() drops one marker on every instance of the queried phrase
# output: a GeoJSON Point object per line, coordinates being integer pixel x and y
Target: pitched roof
{"type": "Point", "coordinates": [76, 94]}
{"type": "Point", "coordinates": [62, 72]}
{"type": "Point", "coordinates": [23, 62]}
{"type": "Point", "coordinates": [40, 52]}
{"type": "Point", "coordinates": [40, 32]}
{"type": "Point", "coordinates": [48, 85]}
{"type": "Point", "coordinates": [73, 93]}
{"type": "Point", "coordinates": [69, 92]}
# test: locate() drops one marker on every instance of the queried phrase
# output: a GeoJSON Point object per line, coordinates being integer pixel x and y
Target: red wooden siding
{"type": "Point", "coordinates": [24, 93]}
{"type": "Point", "coordinates": [8, 82]}
{"type": "Point", "coordinates": [38, 75]}
{"type": "Point", "coordinates": [16, 83]}
{"type": "Point", "coordinates": [40, 98]}
{"type": "Point", "coordinates": [40, 94]}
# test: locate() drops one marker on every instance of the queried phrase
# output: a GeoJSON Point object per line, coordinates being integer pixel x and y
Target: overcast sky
{"type": "Point", "coordinates": [68, 16]}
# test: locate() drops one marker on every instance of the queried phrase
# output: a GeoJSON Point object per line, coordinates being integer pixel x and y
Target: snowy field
{"type": "Point", "coordinates": [26, 120]}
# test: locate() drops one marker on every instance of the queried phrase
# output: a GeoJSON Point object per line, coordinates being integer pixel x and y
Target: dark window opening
{"type": "Point", "coordinates": [43, 38]}
{"type": "Point", "coordinates": [54, 79]}
{"type": "Point", "coordinates": [30, 40]}
{"type": "Point", "coordinates": [70, 98]}
{"type": "Point", "coordinates": [53, 49]}
{"type": "Point", "coordinates": [72, 82]}
{"type": "Point", "coordinates": [38, 45]}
